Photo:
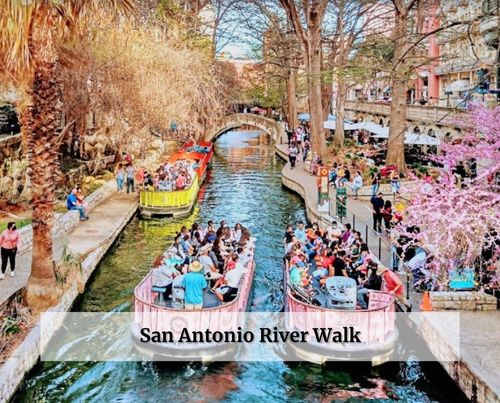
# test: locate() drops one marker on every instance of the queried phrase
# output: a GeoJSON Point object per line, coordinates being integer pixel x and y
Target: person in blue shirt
{"type": "Point", "coordinates": [194, 283]}
{"type": "Point", "coordinates": [300, 233]}
{"type": "Point", "coordinates": [72, 203]}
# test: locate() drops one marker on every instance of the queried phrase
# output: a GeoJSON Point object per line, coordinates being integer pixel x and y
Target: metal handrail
{"type": "Point", "coordinates": [380, 240]}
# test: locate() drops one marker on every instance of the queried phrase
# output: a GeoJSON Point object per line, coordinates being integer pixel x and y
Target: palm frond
{"type": "Point", "coordinates": [62, 18]}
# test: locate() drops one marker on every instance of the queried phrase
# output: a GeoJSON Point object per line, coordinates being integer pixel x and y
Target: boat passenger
{"type": "Point", "coordinates": [221, 228]}
{"type": "Point", "coordinates": [177, 249]}
{"type": "Point", "coordinates": [231, 280]}
{"type": "Point", "coordinates": [300, 233]}
{"type": "Point", "coordinates": [210, 270]}
{"type": "Point", "coordinates": [372, 281]}
{"type": "Point", "coordinates": [339, 267]}
{"type": "Point", "coordinates": [289, 236]}
{"type": "Point", "coordinates": [163, 275]}
{"type": "Point", "coordinates": [194, 283]}
{"type": "Point", "coordinates": [237, 232]}
{"type": "Point", "coordinates": [244, 257]}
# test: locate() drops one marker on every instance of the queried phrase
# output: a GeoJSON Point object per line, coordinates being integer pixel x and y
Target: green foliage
{"type": "Point", "coordinates": [10, 325]}
{"type": "Point", "coordinates": [271, 98]}
{"type": "Point", "coordinates": [19, 223]}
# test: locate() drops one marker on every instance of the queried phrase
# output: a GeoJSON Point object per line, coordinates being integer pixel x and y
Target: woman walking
{"type": "Point", "coordinates": [120, 178]}
{"type": "Point", "coordinates": [10, 241]}
{"type": "Point", "coordinates": [357, 184]}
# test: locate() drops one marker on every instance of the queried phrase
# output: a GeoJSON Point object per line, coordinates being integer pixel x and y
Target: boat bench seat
{"type": "Point", "coordinates": [160, 291]}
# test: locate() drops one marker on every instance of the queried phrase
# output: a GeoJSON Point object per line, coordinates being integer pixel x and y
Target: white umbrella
{"type": "Point", "coordinates": [421, 139]}
{"type": "Point", "coordinates": [330, 124]}
{"type": "Point", "coordinates": [415, 139]}
{"type": "Point", "coordinates": [380, 131]}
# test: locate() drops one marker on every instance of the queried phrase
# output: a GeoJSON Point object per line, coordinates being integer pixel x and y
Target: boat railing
{"type": "Point", "coordinates": [374, 323]}
{"type": "Point", "coordinates": [165, 198]}
{"type": "Point", "coordinates": [223, 317]}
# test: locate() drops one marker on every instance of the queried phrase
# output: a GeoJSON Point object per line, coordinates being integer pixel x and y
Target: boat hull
{"type": "Point", "coordinates": [376, 352]}
{"type": "Point", "coordinates": [153, 204]}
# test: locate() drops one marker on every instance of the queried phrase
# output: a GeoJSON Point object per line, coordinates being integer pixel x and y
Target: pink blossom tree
{"type": "Point", "coordinates": [458, 222]}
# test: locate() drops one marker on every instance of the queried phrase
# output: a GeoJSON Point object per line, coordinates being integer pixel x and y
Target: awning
{"type": "Point", "coordinates": [380, 131]}
{"type": "Point", "coordinates": [421, 139]}
{"type": "Point", "coordinates": [330, 124]}
{"type": "Point", "coordinates": [305, 117]}
{"type": "Point", "coordinates": [459, 85]}
{"type": "Point", "coordinates": [416, 139]}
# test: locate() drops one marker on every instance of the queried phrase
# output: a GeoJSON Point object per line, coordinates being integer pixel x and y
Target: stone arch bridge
{"type": "Point", "coordinates": [275, 129]}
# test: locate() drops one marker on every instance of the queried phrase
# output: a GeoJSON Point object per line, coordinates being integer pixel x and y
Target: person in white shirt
{"type": "Point", "coordinates": [163, 275]}
{"type": "Point", "coordinates": [235, 271]}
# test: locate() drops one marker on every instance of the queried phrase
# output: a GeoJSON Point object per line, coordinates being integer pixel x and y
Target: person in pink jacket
{"type": "Point", "coordinates": [10, 241]}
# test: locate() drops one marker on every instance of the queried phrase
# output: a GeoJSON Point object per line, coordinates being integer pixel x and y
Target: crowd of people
{"type": "Point", "coordinates": [208, 259]}
{"type": "Point", "coordinates": [170, 176]}
{"type": "Point", "coordinates": [312, 255]}
{"type": "Point", "coordinates": [299, 142]}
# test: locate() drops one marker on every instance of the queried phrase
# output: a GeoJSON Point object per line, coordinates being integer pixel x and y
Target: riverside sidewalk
{"type": "Point", "coordinates": [475, 366]}
{"type": "Point", "coordinates": [87, 236]}
{"type": "Point", "coordinates": [304, 183]}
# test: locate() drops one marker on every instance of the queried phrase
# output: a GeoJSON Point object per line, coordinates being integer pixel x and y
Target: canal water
{"type": "Point", "coordinates": [244, 186]}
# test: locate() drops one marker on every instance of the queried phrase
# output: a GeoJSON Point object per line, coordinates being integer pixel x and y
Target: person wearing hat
{"type": "Point", "coordinates": [194, 283]}
{"type": "Point", "coordinates": [392, 283]}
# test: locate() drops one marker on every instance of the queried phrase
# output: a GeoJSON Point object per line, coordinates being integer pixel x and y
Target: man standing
{"type": "Point", "coordinates": [130, 178]}
{"type": "Point", "coordinates": [300, 233]}
{"type": "Point", "coordinates": [194, 283]}
{"type": "Point", "coordinates": [377, 206]}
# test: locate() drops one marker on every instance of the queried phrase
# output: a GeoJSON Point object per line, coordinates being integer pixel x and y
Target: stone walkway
{"type": "Point", "coordinates": [87, 236]}
{"type": "Point", "coordinates": [358, 211]}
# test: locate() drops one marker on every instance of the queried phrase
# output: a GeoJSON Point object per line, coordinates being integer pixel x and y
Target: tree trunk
{"type": "Point", "coordinates": [339, 138]}
{"type": "Point", "coordinates": [291, 94]}
{"type": "Point", "coordinates": [40, 119]}
{"type": "Point", "coordinates": [397, 126]}
{"type": "Point", "coordinates": [318, 142]}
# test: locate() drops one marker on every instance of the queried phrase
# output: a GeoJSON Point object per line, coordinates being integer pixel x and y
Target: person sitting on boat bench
{"type": "Point", "coordinates": [231, 279]}
{"type": "Point", "coordinates": [372, 281]}
{"type": "Point", "coordinates": [209, 268]}
{"type": "Point", "coordinates": [194, 283]}
{"type": "Point", "coordinates": [163, 276]}
{"type": "Point", "coordinates": [177, 249]}
{"type": "Point", "coordinates": [339, 266]}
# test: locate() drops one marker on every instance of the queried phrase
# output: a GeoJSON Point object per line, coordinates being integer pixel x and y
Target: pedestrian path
{"type": "Point", "coordinates": [359, 212]}
{"type": "Point", "coordinates": [105, 219]}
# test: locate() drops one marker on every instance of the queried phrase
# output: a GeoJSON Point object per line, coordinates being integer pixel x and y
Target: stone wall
{"type": "Point", "coordinates": [27, 354]}
{"type": "Point", "coordinates": [275, 129]}
{"type": "Point", "coordinates": [462, 301]}
{"type": "Point", "coordinates": [65, 223]}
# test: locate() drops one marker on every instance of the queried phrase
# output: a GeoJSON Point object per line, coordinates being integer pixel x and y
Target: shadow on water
{"type": "Point", "coordinates": [244, 186]}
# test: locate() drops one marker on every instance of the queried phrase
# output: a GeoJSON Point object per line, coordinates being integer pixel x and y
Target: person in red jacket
{"type": "Point", "coordinates": [392, 283]}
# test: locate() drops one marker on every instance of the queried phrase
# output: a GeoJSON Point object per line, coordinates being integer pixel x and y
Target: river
{"type": "Point", "coordinates": [243, 186]}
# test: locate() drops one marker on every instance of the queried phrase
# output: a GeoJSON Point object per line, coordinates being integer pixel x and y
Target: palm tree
{"type": "Point", "coordinates": [31, 35]}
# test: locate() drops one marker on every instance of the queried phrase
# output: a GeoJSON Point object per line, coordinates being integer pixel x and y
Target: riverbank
{"type": "Point", "coordinates": [474, 367]}
{"type": "Point", "coordinates": [89, 241]}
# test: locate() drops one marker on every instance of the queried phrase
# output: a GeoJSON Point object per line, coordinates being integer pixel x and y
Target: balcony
{"type": "Point", "coordinates": [417, 113]}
